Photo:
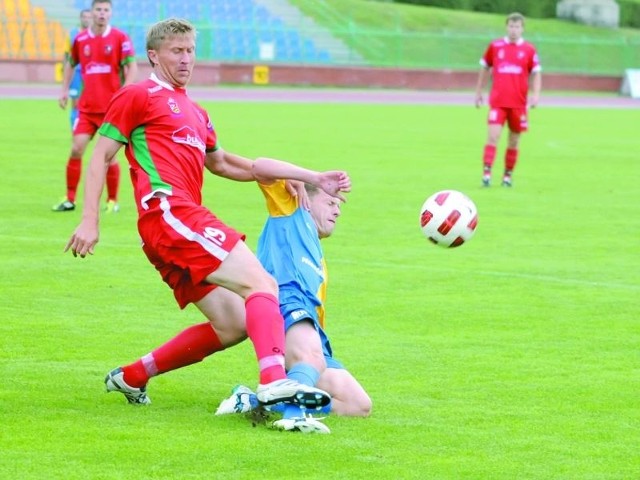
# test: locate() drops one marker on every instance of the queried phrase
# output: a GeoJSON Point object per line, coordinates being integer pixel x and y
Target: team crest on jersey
{"type": "Point", "coordinates": [173, 106]}
{"type": "Point", "coordinates": [108, 49]}
{"type": "Point", "coordinates": [86, 50]}
{"type": "Point", "coordinates": [520, 54]}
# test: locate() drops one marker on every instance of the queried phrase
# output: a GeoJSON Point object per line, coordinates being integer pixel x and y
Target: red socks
{"type": "Point", "coordinates": [265, 328]}
{"type": "Point", "coordinates": [74, 170]}
{"type": "Point", "coordinates": [190, 346]}
{"type": "Point", "coordinates": [510, 159]}
{"type": "Point", "coordinates": [489, 156]}
{"type": "Point", "coordinates": [113, 180]}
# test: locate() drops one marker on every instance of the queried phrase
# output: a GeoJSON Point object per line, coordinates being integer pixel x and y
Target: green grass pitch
{"type": "Point", "coordinates": [512, 357]}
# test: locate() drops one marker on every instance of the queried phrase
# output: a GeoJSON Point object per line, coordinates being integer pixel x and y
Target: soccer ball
{"type": "Point", "coordinates": [448, 218]}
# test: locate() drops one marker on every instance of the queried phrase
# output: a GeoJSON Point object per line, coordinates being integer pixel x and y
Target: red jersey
{"type": "Point", "coordinates": [101, 59]}
{"type": "Point", "coordinates": [511, 65]}
{"type": "Point", "coordinates": [166, 135]}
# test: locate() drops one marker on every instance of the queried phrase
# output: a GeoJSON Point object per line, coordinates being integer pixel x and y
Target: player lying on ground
{"type": "Point", "coordinates": [289, 248]}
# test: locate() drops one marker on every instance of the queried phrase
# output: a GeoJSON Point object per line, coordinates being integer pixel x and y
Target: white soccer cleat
{"type": "Point", "coordinates": [242, 400]}
{"type": "Point", "coordinates": [287, 390]}
{"type": "Point", "coordinates": [301, 424]}
{"type": "Point", "coordinates": [114, 381]}
{"type": "Point", "coordinates": [65, 205]}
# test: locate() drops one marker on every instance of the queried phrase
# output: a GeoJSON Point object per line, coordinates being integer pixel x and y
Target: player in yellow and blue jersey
{"type": "Point", "coordinates": [289, 248]}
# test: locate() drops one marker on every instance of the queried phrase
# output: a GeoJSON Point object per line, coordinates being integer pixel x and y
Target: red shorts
{"type": "Point", "coordinates": [87, 123]}
{"type": "Point", "coordinates": [185, 242]}
{"type": "Point", "coordinates": [515, 117]}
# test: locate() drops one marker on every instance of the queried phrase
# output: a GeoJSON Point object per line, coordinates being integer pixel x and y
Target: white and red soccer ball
{"type": "Point", "coordinates": [449, 218]}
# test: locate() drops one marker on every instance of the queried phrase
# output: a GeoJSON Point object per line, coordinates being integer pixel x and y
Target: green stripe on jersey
{"type": "Point", "coordinates": [143, 157]}
{"type": "Point", "coordinates": [109, 131]}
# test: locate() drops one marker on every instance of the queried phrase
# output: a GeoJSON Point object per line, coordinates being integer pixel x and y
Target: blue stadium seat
{"type": "Point", "coordinates": [323, 56]}
{"type": "Point", "coordinates": [228, 29]}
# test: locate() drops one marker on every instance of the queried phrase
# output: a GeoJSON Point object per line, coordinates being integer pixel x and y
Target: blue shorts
{"type": "Point", "coordinates": [75, 87]}
{"type": "Point", "coordinates": [293, 311]}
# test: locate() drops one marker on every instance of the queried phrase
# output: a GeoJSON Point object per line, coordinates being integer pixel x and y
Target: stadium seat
{"type": "Point", "coordinates": [229, 29]}
{"type": "Point", "coordinates": [10, 11]}
{"type": "Point", "coordinates": [4, 41]}
{"type": "Point", "coordinates": [27, 31]}
{"type": "Point", "coordinates": [324, 56]}
{"type": "Point", "coordinates": [60, 38]}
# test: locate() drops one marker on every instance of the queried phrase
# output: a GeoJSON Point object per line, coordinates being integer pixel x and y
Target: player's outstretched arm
{"type": "Point", "coordinates": [229, 165]}
{"type": "Point", "coordinates": [85, 237]}
{"type": "Point", "coordinates": [333, 182]}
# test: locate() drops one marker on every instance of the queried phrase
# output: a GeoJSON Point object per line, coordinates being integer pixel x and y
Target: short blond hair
{"type": "Point", "coordinates": [169, 28]}
{"type": "Point", "coordinates": [515, 17]}
{"type": "Point", "coordinates": [311, 189]}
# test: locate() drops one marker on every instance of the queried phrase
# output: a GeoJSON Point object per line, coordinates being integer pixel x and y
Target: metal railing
{"type": "Point", "coordinates": [438, 50]}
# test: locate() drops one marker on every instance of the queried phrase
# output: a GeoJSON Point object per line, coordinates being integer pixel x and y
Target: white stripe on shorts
{"type": "Point", "coordinates": [211, 247]}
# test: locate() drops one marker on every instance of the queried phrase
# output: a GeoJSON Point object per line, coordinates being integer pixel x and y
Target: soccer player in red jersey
{"type": "Point", "coordinates": [105, 56]}
{"type": "Point", "coordinates": [290, 249]}
{"type": "Point", "coordinates": [169, 140]}
{"type": "Point", "coordinates": [510, 61]}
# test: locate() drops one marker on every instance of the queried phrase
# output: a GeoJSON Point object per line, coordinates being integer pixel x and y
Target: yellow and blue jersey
{"type": "Point", "coordinates": [289, 249]}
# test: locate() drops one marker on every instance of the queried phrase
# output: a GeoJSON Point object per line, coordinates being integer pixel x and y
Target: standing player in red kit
{"type": "Point", "coordinates": [169, 140]}
{"type": "Point", "coordinates": [106, 57]}
{"type": "Point", "coordinates": [510, 61]}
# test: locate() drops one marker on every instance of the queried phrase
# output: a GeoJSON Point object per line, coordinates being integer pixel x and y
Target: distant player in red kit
{"type": "Point", "coordinates": [106, 57]}
{"type": "Point", "coordinates": [511, 62]}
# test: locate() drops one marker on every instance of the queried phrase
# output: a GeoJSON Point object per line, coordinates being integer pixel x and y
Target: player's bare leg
{"type": "Point", "coordinates": [348, 398]}
{"type": "Point", "coordinates": [225, 328]}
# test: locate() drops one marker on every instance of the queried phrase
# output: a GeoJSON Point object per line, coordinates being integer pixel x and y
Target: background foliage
{"type": "Point", "coordinates": [629, 9]}
{"type": "Point", "coordinates": [403, 35]}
